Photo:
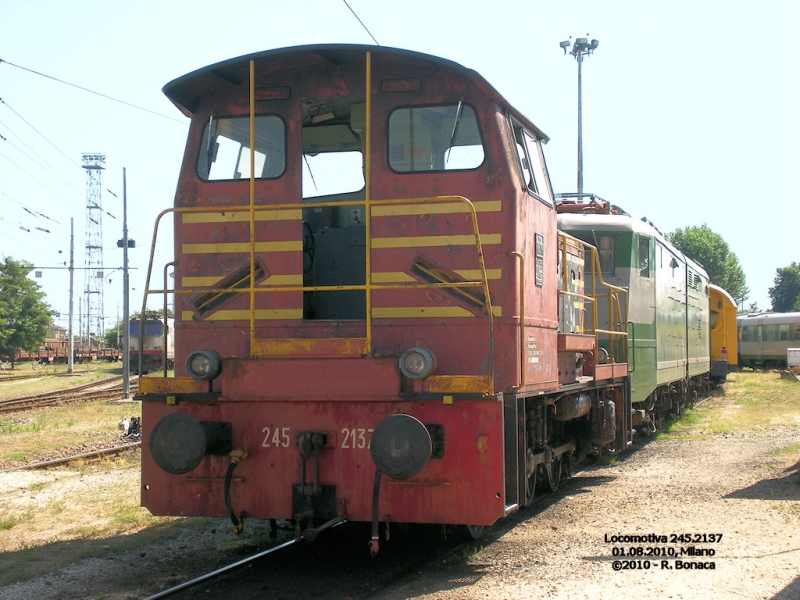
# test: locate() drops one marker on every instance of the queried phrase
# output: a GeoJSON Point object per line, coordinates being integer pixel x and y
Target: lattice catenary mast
{"type": "Point", "coordinates": [93, 278]}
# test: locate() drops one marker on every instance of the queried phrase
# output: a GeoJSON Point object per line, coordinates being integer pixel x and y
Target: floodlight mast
{"type": "Point", "coordinates": [582, 47]}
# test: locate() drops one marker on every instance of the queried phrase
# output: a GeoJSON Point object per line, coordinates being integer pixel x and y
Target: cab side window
{"type": "Point", "coordinates": [531, 163]}
{"type": "Point", "coordinates": [225, 148]}
{"type": "Point", "coordinates": [434, 138]}
{"type": "Point", "coordinates": [644, 256]}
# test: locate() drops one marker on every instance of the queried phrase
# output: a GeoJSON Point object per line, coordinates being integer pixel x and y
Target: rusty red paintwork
{"type": "Point", "coordinates": [299, 374]}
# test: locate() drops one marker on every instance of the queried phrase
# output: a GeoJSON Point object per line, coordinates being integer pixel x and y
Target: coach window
{"type": "Point", "coordinates": [796, 333]}
{"type": "Point", "coordinates": [225, 148]}
{"type": "Point", "coordinates": [434, 138]}
{"type": "Point", "coordinates": [644, 256]}
{"type": "Point", "coordinates": [531, 162]}
{"type": "Point", "coordinates": [605, 248]}
{"type": "Point", "coordinates": [783, 334]}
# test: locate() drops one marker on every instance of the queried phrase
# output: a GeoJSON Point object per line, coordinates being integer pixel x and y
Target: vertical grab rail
{"type": "Point", "coordinates": [252, 207]}
{"type": "Point", "coordinates": [521, 316]}
{"type": "Point", "coordinates": [164, 353]}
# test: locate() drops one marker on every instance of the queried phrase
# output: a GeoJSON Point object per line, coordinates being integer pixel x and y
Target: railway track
{"type": "Point", "coordinates": [75, 394]}
{"type": "Point", "coordinates": [21, 377]}
{"type": "Point", "coordinates": [336, 565]}
{"type": "Point", "coordinates": [93, 455]}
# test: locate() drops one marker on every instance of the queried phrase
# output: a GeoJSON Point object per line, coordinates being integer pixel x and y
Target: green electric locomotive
{"type": "Point", "coordinates": [668, 312]}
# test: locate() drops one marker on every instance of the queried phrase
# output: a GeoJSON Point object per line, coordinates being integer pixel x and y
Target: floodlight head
{"type": "Point", "coordinates": [582, 42]}
{"type": "Point", "coordinates": [564, 44]}
{"type": "Point", "coordinates": [595, 43]}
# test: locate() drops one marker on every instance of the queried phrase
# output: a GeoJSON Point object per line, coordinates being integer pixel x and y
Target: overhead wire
{"type": "Point", "coordinates": [362, 22]}
{"type": "Point", "coordinates": [45, 166]}
{"type": "Point", "coordinates": [38, 230]}
{"type": "Point", "coordinates": [39, 132]}
{"type": "Point", "coordinates": [34, 178]}
{"type": "Point", "coordinates": [152, 112]}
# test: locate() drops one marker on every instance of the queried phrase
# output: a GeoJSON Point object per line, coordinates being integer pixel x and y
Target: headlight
{"type": "Point", "coordinates": [204, 365]}
{"type": "Point", "coordinates": [417, 363]}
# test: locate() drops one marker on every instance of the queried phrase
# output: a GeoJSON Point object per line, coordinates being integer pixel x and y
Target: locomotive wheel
{"type": "Point", "coordinates": [530, 489]}
{"type": "Point", "coordinates": [476, 531]}
{"type": "Point", "coordinates": [566, 468]}
{"type": "Point", "coordinates": [552, 475]}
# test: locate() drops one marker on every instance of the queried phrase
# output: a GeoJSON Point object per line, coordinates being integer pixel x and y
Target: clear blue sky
{"type": "Point", "coordinates": [690, 108]}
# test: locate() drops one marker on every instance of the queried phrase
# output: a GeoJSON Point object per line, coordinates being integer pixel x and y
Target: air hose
{"type": "Point", "coordinates": [238, 523]}
{"type": "Point", "coordinates": [376, 488]}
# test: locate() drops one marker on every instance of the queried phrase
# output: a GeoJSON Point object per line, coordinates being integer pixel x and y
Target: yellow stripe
{"type": "Point", "coordinates": [242, 247]}
{"type": "Point", "coordinates": [434, 240]}
{"type": "Point", "coordinates": [387, 277]}
{"type": "Point", "coordinates": [457, 383]}
{"type": "Point", "coordinates": [212, 280]}
{"type": "Point", "coordinates": [400, 312]}
{"type": "Point", "coordinates": [241, 217]}
{"type": "Point", "coordinates": [475, 274]}
{"type": "Point", "coordinates": [392, 277]}
{"type": "Point", "coordinates": [190, 282]}
{"type": "Point", "coordinates": [434, 208]}
{"type": "Point", "coordinates": [400, 277]}
{"type": "Point", "coordinates": [377, 211]}
{"type": "Point", "coordinates": [310, 346]}
{"type": "Point", "coordinates": [406, 312]}
{"type": "Point", "coordinates": [244, 315]}
{"type": "Point", "coordinates": [283, 280]}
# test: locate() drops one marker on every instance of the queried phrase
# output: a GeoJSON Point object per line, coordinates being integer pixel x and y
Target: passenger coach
{"type": "Point", "coordinates": [765, 339]}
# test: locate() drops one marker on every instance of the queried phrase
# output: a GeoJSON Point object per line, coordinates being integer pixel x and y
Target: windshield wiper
{"type": "Point", "coordinates": [455, 130]}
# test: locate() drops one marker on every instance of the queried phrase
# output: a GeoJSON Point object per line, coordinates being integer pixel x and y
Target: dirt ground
{"type": "Point", "coordinates": [737, 488]}
{"type": "Point", "coordinates": [733, 486]}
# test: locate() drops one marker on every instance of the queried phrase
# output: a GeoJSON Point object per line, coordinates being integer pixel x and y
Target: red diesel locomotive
{"type": "Point", "coordinates": [376, 318]}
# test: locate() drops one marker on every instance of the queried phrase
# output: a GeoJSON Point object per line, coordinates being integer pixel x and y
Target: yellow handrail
{"type": "Point", "coordinates": [368, 287]}
{"type": "Point", "coordinates": [617, 351]}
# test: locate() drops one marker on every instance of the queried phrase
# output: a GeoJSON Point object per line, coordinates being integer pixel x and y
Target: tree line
{"type": "Point", "coordinates": [709, 249]}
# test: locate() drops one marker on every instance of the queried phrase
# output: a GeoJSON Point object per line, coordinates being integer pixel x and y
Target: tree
{"type": "Point", "coordinates": [709, 249]}
{"type": "Point", "coordinates": [24, 316]}
{"type": "Point", "coordinates": [785, 294]}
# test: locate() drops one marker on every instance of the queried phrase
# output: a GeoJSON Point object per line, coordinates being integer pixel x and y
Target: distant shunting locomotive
{"type": "Point", "coordinates": [150, 350]}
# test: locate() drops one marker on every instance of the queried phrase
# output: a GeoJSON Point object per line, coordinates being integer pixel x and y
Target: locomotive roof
{"type": "Point", "coordinates": [769, 318]}
{"type": "Point", "coordinates": [187, 91]}
{"type": "Point", "coordinates": [721, 291]}
{"type": "Point", "coordinates": [605, 222]}
{"type": "Point", "coordinates": [569, 222]}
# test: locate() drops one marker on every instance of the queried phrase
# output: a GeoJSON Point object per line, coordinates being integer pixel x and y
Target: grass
{"type": "Point", "coordinates": [32, 435]}
{"type": "Point", "coordinates": [54, 377]}
{"type": "Point", "coordinates": [787, 451]}
{"type": "Point", "coordinates": [51, 519]}
{"type": "Point", "coordinates": [751, 400]}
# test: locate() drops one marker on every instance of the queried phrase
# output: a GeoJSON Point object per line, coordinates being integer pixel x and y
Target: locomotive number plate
{"type": "Point", "coordinates": [352, 438]}
{"type": "Point", "coordinates": [356, 438]}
